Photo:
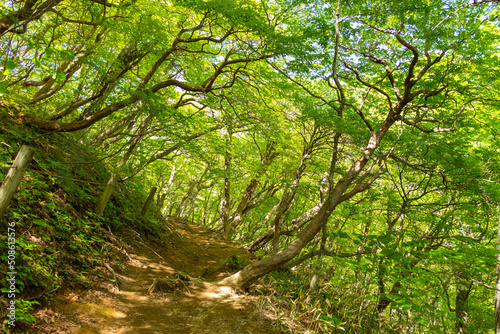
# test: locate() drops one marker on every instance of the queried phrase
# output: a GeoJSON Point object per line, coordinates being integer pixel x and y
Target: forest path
{"type": "Point", "coordinates": [193, 307]}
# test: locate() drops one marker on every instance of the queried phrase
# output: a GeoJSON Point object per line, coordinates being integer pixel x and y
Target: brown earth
{"type": "Point", "coordinates": [190, 258]}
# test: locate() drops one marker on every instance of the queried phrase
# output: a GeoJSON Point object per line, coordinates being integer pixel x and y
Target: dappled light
{"type": "Point", "coordinates": [193, 307]}
{"type": "Point", "coordinates": [244, 166]}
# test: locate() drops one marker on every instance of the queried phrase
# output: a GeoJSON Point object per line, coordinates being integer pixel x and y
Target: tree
{"type": "Point", "coordinates": [198, 54]}
{"type": "Point", "coordinates": [405, 75]}
{"type": "Point", "coordinates": [357, 139]}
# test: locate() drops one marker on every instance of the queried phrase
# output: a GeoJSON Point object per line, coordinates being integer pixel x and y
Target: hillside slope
{"type": "Point", "coordinates": [80, 273]}
{"type": "Point", "coordinates": [60, 242]}
{"type": "Point", "coordinates": [185, 260]}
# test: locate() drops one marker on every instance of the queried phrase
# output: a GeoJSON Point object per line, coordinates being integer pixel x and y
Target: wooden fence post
{"type": "Point", "coordinates": [14, 177]}
{"type": "Point", "coordinates": [101, 205]}
{"type": "Point", "coordinates": [497, 281]}
{"type": "Point", "coordinates": [150, 198]}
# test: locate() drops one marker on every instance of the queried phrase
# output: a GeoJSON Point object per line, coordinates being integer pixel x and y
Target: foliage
{"type": "Point", "coordinates": [59, 240]}
{"type": "Point", "coordinates": [357, 139]}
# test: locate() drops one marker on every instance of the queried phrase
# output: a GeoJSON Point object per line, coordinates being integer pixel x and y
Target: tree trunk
{"type": "Point", "coordinates": [112, 129]}
{"type": "Point", "coordinates": [336, 195]}
{"type": "Point", "coordinates": [317, 269]}
{"type": "Point", "coordinates": [287, 199]}
{"type": "Point", "coordinates": [163, 196]}
{"type": "Point", "coordinates": [237, 217]}
{"type": "Point", "coordinates": [194, 196]}
{"type": "Point", "coordinates": [251, 273]}
{"type": "Point", "coordinates": [383, 301]}
{"type": "Point", "coordinates": [284, 204]}
{"type": "Point", "coordinates": [190, 197]}
{"type": "Point", "coordinates": [225, 204]}
{"type": "Point", "coordinates": [101, 205]}
{"type": "Point", "coordinates": [461, 303]}
{"type": "Point", "coordinates": [232, 224]}
{"type": "Point", "coordinates": [296, 224]}
{"type": "Point", "coordinates": [160, 202]}
{"type": "Point", "coordinates": [289, 195]}
{"type": "Point", "coordinates": [179, 210]}
{"type": "Point", "coordinates": [31, 11]}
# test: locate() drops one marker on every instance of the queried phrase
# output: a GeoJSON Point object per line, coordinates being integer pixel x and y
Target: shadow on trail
{"type": "Point", "coordinates": [197, 307]}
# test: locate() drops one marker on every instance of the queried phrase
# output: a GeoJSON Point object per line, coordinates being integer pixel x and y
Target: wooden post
{"type": "Point", "coordinates": [146, 205]}
{"type": "Point", "coordinates": [101, 205]}
{"type": "Point", "coordinates": [14, 177]}
{"type": "Point", "coordinates": [497, 283]}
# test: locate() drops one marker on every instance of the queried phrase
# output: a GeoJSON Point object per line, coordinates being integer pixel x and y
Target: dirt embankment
{"type": "Point", "coordinates": [164, 287]}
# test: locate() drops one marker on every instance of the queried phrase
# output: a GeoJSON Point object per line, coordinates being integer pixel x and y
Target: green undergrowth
{"type": "Point", "coordinates": [60, 241]}
{"type": "Point", "coordinates": [331, 308]}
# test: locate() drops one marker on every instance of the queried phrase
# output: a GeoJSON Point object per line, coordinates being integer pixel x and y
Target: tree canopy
{"type": "Point", "coordinates": [358, 140]}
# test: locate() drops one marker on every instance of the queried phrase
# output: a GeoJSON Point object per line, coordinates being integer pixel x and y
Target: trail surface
{"type": "Point", "coordinates": [190, 257]}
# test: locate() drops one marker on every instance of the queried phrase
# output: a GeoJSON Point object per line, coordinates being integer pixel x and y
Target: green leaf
{"type": "Point", "coordinates": [66, 55]}
{"type": "Point", "coordinates": [9, 65]}
{"type": "Point", "coordinates": [3, 87]}
{"type": "Point", "coordinates": [60, 76]}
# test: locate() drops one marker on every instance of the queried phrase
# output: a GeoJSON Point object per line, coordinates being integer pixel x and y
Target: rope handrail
{"type": "Point", "coordinates": [55, 175]}
{"type": "Point", "coordinates": [67, 178]}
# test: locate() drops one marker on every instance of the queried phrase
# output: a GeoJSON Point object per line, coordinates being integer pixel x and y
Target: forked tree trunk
{"type": "Point", "coordinates": [336, 195]}
{"type": "Point", "coordinates": [296, 224]}
{"type": "Point", "coordinates": [232, 224]}
{"type": "Point", "coordinates": [289, 195]}
{"type": "Point", "coordinates": [251, 273]}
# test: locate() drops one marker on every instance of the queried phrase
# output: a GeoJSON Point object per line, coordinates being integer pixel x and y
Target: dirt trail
{"type": "Point", "coordinates": [195, 307]}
